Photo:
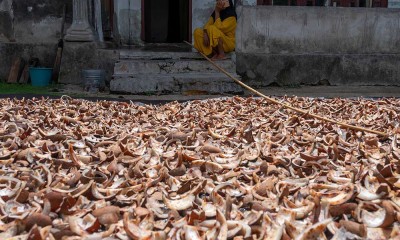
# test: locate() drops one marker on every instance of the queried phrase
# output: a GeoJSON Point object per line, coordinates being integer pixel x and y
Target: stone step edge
{"type": "Point", "coordinates": [194, 58]}
{"type": "Point", "coordinates": [178, 75]}
{"type": "Point", "coordinates": [168, 86]}
{"type": "Point", "coordinates": [155, 70]}
{"type": "Point", "coordinates": [171, 60]}
{"type": "Point", "coordinates": [162, 55]}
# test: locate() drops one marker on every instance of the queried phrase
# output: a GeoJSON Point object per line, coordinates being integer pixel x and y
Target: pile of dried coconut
{"type": "Point", "coordinates": [219, 169]}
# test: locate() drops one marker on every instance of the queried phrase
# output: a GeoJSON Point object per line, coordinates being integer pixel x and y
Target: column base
{"type": "Point", "coordinates": [78, 35]}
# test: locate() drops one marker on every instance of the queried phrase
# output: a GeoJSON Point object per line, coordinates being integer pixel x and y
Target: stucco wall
{"type": "Point", "coordinates": [128, 21]}
{"type": "Point", "coordinates": [129, 17]}
{"type": "Point", "coordinates": [313, 45]}
{"type": "Point", "coordinates": [8, 51]}
{"type": "Point", "coordinates": [201, 10]}
{"type": "Point", "coordinates": [34, 21]}
{"type": "Point", "coordinates": [6, 21]}
{"type": "Point", "coordinates": [30, 29]}
{"type": "Point", "coordinates": [318, 29]}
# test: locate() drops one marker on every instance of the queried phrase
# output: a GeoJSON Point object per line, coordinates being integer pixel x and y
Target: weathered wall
{"type": "Point", "coordinates": [129, 17]}
{"type": "Point", "coordinates": [8, 51]}
{"type": "Point", "coordinates": [312, 45]}
{"type": "Point", "coordinates": [6, 21]}
{"type": "Point", "coordinates": [201, 10]}
{"type": "Point", "coordinates": [34, 21]}
{"type": "Point", "coordinates": [128, 21]}
{"type": "Point", "coordinates": [30, 29]}
{"type": "Point", "coordinates": [315, 29]}
{"type": "Point", "coordinates": [80, 56]}
{"type": "Point", "coordinates": [76, 57]}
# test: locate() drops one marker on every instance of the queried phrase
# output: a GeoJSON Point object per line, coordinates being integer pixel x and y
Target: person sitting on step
{"type": "Point", "coordinates": [217, 37]}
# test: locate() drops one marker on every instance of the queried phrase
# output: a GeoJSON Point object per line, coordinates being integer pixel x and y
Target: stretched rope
{"type": "Point", "coordinates": [286, 105]}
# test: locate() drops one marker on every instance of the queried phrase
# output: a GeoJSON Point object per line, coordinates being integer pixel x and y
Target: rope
{"type": "Point", "coordinates": [288, 106]}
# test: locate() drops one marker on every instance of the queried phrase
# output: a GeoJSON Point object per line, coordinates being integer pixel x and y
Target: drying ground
{"type": "Point", "coordinates": [214, 169]}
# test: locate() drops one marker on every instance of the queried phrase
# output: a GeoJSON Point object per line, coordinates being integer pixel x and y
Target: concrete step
{"type": "Point", "coordinates": [152, 55]}
{"type": "Point", "coordinates": [210, 83]}
{"type": "Point", "coordinates": [170, 66]}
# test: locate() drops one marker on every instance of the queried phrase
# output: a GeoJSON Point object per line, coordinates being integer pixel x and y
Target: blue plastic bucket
{"type": "Point", "coordinates": [40, 77]}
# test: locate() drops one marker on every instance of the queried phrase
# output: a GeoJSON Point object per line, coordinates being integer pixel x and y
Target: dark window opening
{"type": "Point", "coordinates": [166, 21]}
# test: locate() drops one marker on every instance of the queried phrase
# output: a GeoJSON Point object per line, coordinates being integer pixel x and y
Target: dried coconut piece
{"type": "Point", "coordinates": [15, 210]}
{"type": "Point", "coordinates": [382, 218]}
{"type": "Point", "coordinates": [353, 227]}
{"type": "Point", "coordinates": [7, 192]}
{"type": "Point", "coordinates": [179, 204]}
{"type": "Point", "coordinates": [210, 148]}
{"type": "Point", "coordinates": [37, 219]}
{"type": "Point", "coordinates": [107, 215]}
{"type": "Point", "coordinates": [315, 231]}
{"type": "Point", "coordinates": [191, 232]}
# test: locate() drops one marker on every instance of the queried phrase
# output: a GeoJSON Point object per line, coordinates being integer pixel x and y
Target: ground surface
{"type": "Point", "coordinates": [303, 91]}
{"type": "Point", "coordinates": [10, 91]}
{"type": "Point", "coordinates": [214, 169]}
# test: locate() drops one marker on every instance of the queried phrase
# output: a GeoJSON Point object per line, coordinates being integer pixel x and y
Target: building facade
{"type": "Point", "coordinates": [139, 21]}
{"type": "Point", "coordinates": [367, 38]}
{"type": "Point", "coordinates": [127, 22]}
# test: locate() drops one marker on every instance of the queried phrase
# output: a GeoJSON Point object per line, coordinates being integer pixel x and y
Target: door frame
{"type": "Point", "coordinates": [265, 2]}
{"type": "Point", "coordinates": [142, 31]}
{"type": "Point", "coordinates": [190, 21]}
{"type": "Point", "coordinates": [112, 13]}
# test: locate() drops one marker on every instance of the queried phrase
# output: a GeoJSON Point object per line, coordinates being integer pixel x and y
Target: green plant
{"type": "Point", "coordinates": [16, 88]}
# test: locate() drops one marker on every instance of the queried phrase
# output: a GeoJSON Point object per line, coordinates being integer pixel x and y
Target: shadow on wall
{"type": "Point", "coordinates": [6, 30]}
{"type": "Point", "coordinates": [6, 21]}
{"type": "Point", "coordinates": [9, 51]}
{"type": "Point", "coordinates": [36, 10]}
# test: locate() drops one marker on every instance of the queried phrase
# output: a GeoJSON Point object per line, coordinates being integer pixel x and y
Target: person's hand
{"type": "Point", "coordinates": [219, 6]}
{"type": "Point", "coordinates": [206, 39]}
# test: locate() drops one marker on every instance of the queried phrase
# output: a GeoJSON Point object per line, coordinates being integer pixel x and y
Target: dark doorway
{"type": "Point", "coordinates": [166, 21]}
{"type": "Point", "coordinates": [107, 16]}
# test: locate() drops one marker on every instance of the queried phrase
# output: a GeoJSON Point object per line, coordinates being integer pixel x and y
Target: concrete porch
{"type": "Point", "coordinates": [150, 69]}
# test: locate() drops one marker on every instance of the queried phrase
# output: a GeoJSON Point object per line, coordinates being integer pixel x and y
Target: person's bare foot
{"type": "Point", "coordinates": [213, 53]}
{"type": "Point", "coordinates": [218, 57]}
